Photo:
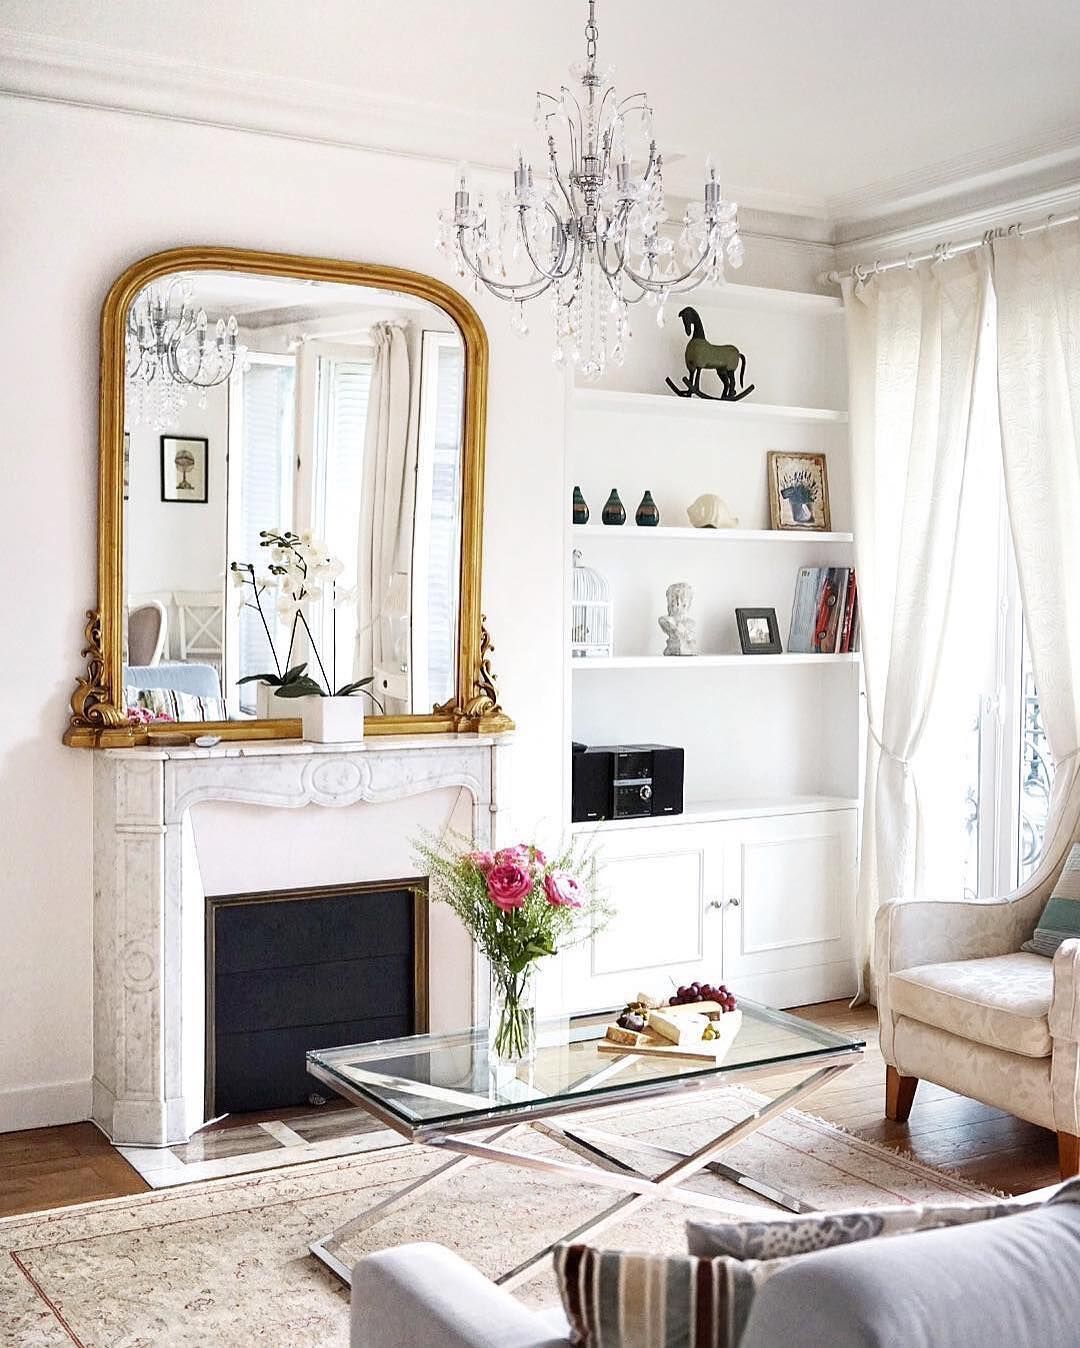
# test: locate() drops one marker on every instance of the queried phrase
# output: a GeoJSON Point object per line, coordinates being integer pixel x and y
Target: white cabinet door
{"type": "Point", "coordinates": [660, 882]}
{"type": "Point", "coordinates": [789, 901]}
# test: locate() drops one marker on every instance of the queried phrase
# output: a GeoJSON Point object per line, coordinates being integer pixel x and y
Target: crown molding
{"type": "Point", "coordinates": [976, 178]}
{"type": "Point", "coordinates": [87, 74]}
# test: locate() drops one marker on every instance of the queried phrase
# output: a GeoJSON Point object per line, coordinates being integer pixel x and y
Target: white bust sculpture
{"type": "Point", "coordinates": [710, 512]}
{"type": "Point", "coordinates": [677, 624]}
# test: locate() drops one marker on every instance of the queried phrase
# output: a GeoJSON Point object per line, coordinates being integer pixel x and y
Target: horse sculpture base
{"type": "Point", "coordinates": [690, 392]}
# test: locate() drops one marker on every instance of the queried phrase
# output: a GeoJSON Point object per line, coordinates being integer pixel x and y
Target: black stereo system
{"type": "Point", "coordinates": [626, 781]}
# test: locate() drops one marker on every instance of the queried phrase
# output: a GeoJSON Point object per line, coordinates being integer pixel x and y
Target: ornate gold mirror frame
{"type": "Point", "coordinates": [99, 719]}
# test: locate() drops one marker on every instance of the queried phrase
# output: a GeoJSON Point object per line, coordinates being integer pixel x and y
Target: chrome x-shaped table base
{"type": "Point", "coordinates": [604, 1169]}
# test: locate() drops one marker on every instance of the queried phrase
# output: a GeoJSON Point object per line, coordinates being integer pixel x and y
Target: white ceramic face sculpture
{"type": "Point", "coordinates": [711, 512]}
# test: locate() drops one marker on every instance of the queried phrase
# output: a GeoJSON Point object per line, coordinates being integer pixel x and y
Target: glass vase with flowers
{"type": "Point", "coordinates": [520, 906]}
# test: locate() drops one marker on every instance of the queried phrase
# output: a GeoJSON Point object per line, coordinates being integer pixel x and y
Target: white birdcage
{"type": "Point", "coordinates": [592, 625]}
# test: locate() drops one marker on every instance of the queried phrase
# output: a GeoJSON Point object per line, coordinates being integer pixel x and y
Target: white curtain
{"type": "Point", "coordinates": [1037, 284]}
{"type": "Point", "coordinates": [384, 560]}
{"type": "Point", "coordinates": [913, 340]}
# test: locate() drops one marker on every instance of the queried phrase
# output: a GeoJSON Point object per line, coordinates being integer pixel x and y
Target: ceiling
{"type": "Point", "coordinates": [826, 108]}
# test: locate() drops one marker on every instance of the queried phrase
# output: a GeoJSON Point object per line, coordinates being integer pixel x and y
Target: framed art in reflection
{"type": "Point", "coordinates": [184, 463]}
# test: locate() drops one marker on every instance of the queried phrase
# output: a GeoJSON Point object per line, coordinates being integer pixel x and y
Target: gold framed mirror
{"type": "Point", "coordinates": [291, 474]}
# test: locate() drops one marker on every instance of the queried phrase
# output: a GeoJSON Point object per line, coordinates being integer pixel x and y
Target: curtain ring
{"type": "Point", "coordinates": [860, 273]}
{"type": "Point", "coordinates": [877, 266]}
{"type": "Point", "coordinates": [909, 262]}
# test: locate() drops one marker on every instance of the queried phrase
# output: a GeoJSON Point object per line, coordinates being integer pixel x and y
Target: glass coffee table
{"type": "Point", "coordinates": [439, 1090]}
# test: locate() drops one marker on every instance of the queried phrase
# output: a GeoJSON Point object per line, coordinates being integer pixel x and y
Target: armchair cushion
{"type": "Point", "coordinates": [1002, 1002]}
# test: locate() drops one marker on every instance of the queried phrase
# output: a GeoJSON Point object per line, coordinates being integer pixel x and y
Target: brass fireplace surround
{"type": "Point", "coordinates": [98, 716]}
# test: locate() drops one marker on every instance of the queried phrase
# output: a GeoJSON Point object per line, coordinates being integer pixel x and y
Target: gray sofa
{"type": "Point", "coordinates": [1007, 1281]}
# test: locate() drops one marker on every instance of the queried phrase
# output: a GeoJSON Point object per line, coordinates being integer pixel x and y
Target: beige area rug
{"type": "Point", "coordinates": [226, 1262]}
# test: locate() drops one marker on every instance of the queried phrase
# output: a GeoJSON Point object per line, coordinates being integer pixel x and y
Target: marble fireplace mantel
{"type": "Point", "coordinates": [149, 904]}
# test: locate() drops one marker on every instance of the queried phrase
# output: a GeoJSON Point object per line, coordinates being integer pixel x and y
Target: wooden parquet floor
{"type": "Point", "coordinates": [55, 1167]}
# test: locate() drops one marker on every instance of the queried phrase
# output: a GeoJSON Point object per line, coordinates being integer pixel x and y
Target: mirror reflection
{"type": "Point", "coordinates": [293, 490]}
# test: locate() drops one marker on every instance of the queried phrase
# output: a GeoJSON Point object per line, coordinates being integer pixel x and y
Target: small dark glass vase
{"type": "Point", "coordinates": [648, 514]}
{"type": "Point", "coordinates": [581, 508]}
{"type": "Point", "coordinates": [614, 510]}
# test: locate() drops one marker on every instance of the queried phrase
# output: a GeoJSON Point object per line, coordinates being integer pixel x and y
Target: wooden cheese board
{"type": "Point", "coordinates": [708, 1050]}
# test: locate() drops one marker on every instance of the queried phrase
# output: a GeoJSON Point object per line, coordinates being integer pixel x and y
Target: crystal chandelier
{"type": "Point", "coordinates": [591, 234]}
{"type": "Point", "coordinates": [171, 350]}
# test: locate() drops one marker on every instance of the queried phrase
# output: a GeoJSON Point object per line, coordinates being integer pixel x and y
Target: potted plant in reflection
{"type": "Point", "coordinates": [520, 906]}
{"type": "Point", "coordinates": [302, 570]}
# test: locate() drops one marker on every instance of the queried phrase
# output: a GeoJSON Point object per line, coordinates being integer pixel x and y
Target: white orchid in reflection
{"type": "Point", "coordinates": [302, 569]}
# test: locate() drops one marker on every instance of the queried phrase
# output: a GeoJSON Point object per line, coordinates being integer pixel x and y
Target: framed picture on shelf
{"type": "Point", "coordinates": [798, 491]}
{"type": "Point", "coordinates": [184, 461]}
{"type": "Point", "coordinates": [759, 633]}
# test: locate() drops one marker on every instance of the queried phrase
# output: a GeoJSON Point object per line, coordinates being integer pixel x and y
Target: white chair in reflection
{"type": "Point", "coordinates": [147, 632]}
{"type": "Point", "coordinates": [200, 626]}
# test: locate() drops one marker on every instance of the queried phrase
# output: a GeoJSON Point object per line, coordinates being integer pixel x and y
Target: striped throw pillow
{"type": "Point", "coordinates": [1061, 917]}
{"type": "Point", "coordinates": [618, 1299]}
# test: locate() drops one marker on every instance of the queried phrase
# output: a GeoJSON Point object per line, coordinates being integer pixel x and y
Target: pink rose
{"type": "Point", "coordinates": [518, 855]}
{"type": "Point", "coordinates": [563, 890]}
{"type": "Point", "coordinates": [508, 883]}
{"type": "Point", "coordinates": [483, 861]}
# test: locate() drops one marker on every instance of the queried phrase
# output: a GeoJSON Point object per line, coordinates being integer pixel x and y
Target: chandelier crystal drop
{"type": "Point", "coordinates": [592, 233]}
{"type": "Point", "coordinates": [171, 349]}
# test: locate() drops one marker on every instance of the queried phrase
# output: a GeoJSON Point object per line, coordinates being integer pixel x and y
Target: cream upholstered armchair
{"type": "Point", "coordinates": [960, 1004]}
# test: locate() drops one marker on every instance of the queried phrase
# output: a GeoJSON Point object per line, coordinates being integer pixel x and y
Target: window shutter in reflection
{"type": "Point", "coordinates": [266, 470]}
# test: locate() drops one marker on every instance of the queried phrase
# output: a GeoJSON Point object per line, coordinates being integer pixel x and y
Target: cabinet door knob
{"type": "Point", "coordinates": [734, 903]}
{"type": "Point", "coordinates": [716, 903]}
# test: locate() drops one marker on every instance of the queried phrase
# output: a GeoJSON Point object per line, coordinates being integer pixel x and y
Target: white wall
{"type": "Point", "coordinates": [85, 194]}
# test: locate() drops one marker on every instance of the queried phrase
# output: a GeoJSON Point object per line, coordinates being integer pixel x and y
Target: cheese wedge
{"type": "Point", "coordinates": [693, 1008]}
{"type": "Point", "coordinates": [678, 1029]}
{"type": "Point", "coordinates": [631, 1038]}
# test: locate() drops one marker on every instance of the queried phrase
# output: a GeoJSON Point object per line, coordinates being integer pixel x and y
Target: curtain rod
{"type": "Point", "coordinates": [863, 272]}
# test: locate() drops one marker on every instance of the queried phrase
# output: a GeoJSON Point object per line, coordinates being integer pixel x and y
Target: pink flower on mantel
{"type": "Point", "coordinates": [562, 890]}
{"type": "Point", "coordinates": [508, 883]}
{"type": "Point", "coordinates": [483, 861]}
{"type": "Point", "coordinates": [518, 855]}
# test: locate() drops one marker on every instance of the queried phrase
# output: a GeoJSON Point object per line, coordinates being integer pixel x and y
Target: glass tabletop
{"type": "Point", "coordinates": [434, 1082]}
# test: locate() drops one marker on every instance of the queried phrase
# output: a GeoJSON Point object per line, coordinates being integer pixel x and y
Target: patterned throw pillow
{"type": "Point", "coordinates": [617, 1299]}
{"type": "Point", "coordinates": [785, 1237]}
{"type": "Point", "coordinates": [170, 705]}
{"type": "Point", "coordinates": [1061, 917]}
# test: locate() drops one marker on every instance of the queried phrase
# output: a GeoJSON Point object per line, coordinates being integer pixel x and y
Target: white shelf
{"type": "Point", "coordinates": [712, 811]}
{"type": "Point", "coordinates": [664, 532]}
{"type": "Point", "coordinates": [669, 404]}
{"type": "Point", "coordinates": [688, 662]}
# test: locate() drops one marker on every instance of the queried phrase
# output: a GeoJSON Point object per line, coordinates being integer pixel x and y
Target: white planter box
{"type": "Point", "coordinates": [331, 720]}
{"type": "Point", "coordinates": [270, 707]}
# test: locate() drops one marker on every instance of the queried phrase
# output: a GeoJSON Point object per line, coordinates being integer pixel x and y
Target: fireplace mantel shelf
{"type": "Point", "coordinates": [280, 748]}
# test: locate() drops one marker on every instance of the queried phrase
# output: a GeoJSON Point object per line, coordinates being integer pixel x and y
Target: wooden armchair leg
{"type": "Point", "coordinates": [899, 1095]}
{"type": "Point", "coordinates": [1068, 1155]}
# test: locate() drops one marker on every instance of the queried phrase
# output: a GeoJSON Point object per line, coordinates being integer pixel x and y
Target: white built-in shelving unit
{"type": "Point", "coordinates": [756, 878]}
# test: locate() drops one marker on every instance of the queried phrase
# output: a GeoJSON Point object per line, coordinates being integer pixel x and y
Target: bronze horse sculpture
{"type": "Point", "coordinates": [701, 354]}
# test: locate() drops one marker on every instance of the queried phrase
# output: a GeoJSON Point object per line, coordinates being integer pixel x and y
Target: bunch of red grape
{"type": "Point", "coordinates": [704, 992]}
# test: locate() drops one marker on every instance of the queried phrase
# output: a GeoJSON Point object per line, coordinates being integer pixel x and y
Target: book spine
{"type": "Point", "coordinates": [802, 610]}
{"type": "Point", "coordinates": [825, 605]}
{"type": "Point", "coordinates": [849, 613]}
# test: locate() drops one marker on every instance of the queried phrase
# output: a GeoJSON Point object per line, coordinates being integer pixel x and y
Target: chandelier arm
{"type": "Point", "coordinates": [512, 290]}
{"type": "Point", "coordinates": [558, 178]}
{"type": "Point", "coordinates": [557, 274]}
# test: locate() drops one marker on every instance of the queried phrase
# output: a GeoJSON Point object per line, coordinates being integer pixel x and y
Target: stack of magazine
{"type": "Point", "coordinates": [825, 613]}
